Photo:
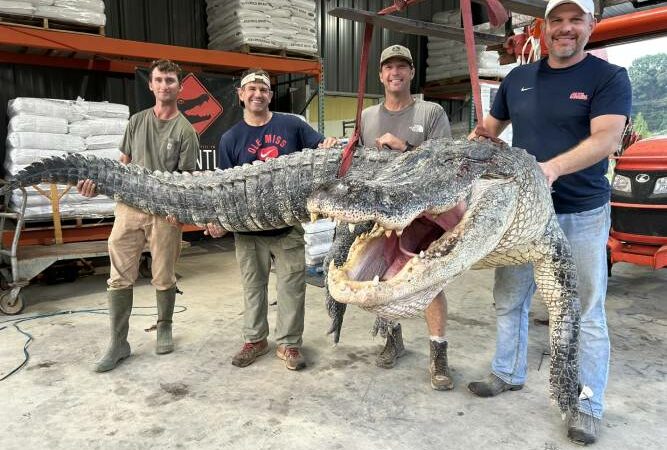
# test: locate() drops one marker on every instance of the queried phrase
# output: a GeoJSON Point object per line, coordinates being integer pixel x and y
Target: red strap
{"type": "Point", "coordinates": [466, 13]}
{"type": "Point", "coordinates": [348, 153]}
{"type": "Point", "coordinates": [497, 12]}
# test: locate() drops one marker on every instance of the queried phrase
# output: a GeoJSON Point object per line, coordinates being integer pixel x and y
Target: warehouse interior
{"type": "Point", "coordinates": [78, 70]}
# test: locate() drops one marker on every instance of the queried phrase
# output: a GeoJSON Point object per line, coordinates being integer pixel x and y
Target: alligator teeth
{"type": "Point", "coordinates": [337, 222]}
{"type": "Point", "coordinates": [350, 226]}
{"type": "Point", "coordinates": [434, 216]}
{"type": "Point", "coordinates": [387, 233]}
{"type": "Point", "coordinates": [313, 217]}
{"type": "Point", "coordinates": [399, 233]}
{"type": "Point", "coordinates": [376, 280]}
{"type": "Point", "coordinates": [422, 254]}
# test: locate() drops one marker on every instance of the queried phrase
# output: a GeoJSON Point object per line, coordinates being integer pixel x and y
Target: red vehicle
{"type": "Point", "coordinates": [639, 205]}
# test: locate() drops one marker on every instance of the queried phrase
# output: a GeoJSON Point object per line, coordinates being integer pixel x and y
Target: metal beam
{"type": "Point", "coordinates": [411, 26]}
{"type": "Point", "coordinates": [118, 50]}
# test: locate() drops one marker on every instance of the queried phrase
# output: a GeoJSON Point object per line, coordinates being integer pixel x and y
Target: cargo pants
{"type": "Point", "coordinates": [254, 254]}
{"type": "Point", "coordinates": [132, 230]}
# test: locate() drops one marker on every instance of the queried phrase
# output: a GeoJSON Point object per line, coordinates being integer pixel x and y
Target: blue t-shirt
{"type": "Point", "coordinates": [551, 112]}
{"type": "Point", "coordinates": [282, 135]}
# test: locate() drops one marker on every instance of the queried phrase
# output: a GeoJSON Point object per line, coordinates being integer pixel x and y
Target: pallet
{"type": "Point", "coordinates": [50, 24]}
{"type": "Point", "coordinates": [282, 52]}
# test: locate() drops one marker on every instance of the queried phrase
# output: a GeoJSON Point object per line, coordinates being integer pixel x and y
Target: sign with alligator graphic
{"type": "Point", "coordinates": [208, 101]}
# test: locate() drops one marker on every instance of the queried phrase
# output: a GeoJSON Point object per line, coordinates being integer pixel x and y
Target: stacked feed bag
{"type": "Point", "coordinates": [319, 237]}
{"type": "Point", "coordinates": [21, 8]}
{"type": "Point", "coordinates": [263, 24]}
{"type": "Point", "coordinates": [447, 58]}
{"type": "Point", "coordinates": [40, 128]}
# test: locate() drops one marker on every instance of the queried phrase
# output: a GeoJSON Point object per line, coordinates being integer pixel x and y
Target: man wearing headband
{"type": "Point", "coordinates": [261, 135]}
{"type": "Point", "coordinates": [401, 123]}
{"type": "Point", "coordinates": [158, 138]}
{"type": "Point", "coordinates": [569, 110]}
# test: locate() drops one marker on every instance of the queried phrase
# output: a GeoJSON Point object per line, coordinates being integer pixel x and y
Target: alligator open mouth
{"type": "Point", "coordinates": [385, 264]}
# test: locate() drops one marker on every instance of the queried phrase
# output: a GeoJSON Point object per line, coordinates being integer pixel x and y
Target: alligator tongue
{"type": "Point", "coordinates": [417, 237]}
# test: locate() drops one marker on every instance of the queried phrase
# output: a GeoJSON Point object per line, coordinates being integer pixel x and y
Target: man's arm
{"type": "Point", "coordinates": [606, 133]}
{"type": "Point", "coordinates": [491, 127]}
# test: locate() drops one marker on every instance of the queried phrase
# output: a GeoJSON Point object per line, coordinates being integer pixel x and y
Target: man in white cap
{"type": "Point", "coordinates": [569, 110]}
{"type": "Point", "coordinates": [401, 123]}
{"type": "Point", "coordinates": [262, 135]}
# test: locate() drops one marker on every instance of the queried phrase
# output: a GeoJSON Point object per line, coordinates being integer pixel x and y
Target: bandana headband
{"type": "Point", "coordinates": [255, 77]}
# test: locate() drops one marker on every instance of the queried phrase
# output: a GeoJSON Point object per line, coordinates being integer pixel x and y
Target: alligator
{"type": "Point", "coordinates": [415, 220]}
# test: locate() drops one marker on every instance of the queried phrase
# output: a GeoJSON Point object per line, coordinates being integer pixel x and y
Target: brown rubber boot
{"type": "Point", "coordinates": [440, 378]}
{"type": "Point", "coordinates": [393, 348]}
{"type": "Point", "coordinates": [165, 312]}
{"type": "Point", "coordinates": [250, 352]}
{"type": "Point", "coordinates": [120, 308]}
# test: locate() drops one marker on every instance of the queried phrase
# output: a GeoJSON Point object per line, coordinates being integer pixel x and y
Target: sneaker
{"type": "Point", "coordinates": [393, 348]}
{"type": "Point", "coordinates": [583, 428]}
{"type": "Point", "coordinates": [492, 387]}
{"type": "Point", "coordinates": [440, 378]}
{"type": "Point", "coordinates": [292, 356]}
{"type": "Point", "coordinates": [250, 352]}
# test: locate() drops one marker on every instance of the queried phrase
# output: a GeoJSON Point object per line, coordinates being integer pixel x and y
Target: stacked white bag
{"type": "Point", "coordinates": [447, 58]}
{"type": "Point", "coordinates": [84, 12]}
{"type": "Point", "coordinates": [319, 237]}
{"type": "Point", "coordinates": [272, 24]}
{"type": "Point", "coordinates": [40, 128]}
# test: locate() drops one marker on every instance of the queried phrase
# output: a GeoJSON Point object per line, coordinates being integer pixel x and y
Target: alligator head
{"type": "Point", "coordinates": [430, 210]}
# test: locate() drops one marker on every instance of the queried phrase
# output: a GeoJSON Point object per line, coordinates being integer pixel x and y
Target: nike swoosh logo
{"type": "Point", "coordinates": [524, 89]}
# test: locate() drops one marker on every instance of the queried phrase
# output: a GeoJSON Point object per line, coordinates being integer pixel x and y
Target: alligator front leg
{"type": "Point", "coordinates": [556, 279]}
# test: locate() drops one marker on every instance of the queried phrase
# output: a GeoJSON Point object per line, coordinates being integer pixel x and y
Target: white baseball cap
{"type": "Point", "coordinates": [256, 78]}
{"type": "Point", "coordinates": [586, 6]}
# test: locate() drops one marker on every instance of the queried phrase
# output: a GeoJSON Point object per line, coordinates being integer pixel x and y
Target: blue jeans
{"type": "Point", "coordinates": [513, 290]}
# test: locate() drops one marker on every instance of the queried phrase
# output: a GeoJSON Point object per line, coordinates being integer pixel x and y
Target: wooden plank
{"type": "Point", "coordinates": [411, 26]}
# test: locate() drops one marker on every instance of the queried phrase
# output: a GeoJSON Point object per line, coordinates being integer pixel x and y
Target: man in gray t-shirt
{"type": "Point", "coordinates": [401, 123]}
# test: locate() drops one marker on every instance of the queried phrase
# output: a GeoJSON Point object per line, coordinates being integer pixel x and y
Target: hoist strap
{"type": "Point", "coordinates": [348, 152]}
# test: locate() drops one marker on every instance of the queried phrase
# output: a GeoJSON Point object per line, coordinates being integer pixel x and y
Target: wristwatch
{"type": "Point", "coordinates": [408, 147]}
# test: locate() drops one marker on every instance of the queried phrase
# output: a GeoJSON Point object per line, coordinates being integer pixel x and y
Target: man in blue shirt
{"type": "Point", "coordinates": [261, 135]}
{"type": "Point", "coordinates": [569, 110]}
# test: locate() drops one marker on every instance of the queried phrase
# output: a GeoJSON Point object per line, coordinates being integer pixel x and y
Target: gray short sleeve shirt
{"type": "Point", "coordinates": [418, 122]}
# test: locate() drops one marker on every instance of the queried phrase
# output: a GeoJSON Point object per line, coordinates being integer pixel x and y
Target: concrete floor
{"type": "Point", "coordinates": [194, 397]}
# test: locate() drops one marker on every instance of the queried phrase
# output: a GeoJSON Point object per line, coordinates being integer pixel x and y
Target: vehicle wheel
{"type": "Point", "coordinates": [145, 269]}
{"type": "Point", "coordinates": [11, 302]}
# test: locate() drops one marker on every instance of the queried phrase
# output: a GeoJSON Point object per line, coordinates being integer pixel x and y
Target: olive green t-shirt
{"type": "Point", "coordinates": [165, 145]}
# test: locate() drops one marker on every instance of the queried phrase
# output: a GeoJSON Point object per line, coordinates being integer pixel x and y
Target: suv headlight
{"type": "Point", "coordinates": [621, 183]}
{"type": "Point", "coordinates": [660, 186]}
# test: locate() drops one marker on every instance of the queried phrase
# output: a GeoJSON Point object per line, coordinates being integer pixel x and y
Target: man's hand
{"type": "Point", "coordinates": [173, 220]}
{"type": "Point", "coordinates": [328, 142]}
{"type": "Point", "coordinates": [551, 171]}
{"type": "Point", "coordinates": [482, 134]}
{"type": "Point", "coordinates": [86, 188]}
{"type": "Point", "coordinates": [390, 141]}
{"type": "Point", "coordinates": [214, 230]}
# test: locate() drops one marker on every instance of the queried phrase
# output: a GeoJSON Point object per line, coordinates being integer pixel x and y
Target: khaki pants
{"type": "Point", "coordinates": [132, 229]}
{"type": "Point", "coordinates": [254, 256]}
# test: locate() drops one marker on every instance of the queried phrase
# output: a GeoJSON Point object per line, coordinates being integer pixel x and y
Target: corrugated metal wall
{"type": "Point", "coordinates": [342, 40]}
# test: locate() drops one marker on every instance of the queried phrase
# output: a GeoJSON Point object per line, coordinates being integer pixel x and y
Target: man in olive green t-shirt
{"type": "Point", "coordinates": [158, 138]}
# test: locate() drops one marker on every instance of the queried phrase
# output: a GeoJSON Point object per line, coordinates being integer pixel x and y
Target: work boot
{"type": "Point", "coordinates": [165, 312]}
{"type": "Point", "coordinates": [292, 356]}
{"type": "Point", "coordinates": [440, 379]}
{"type": "Point", "coordinates": [583, 428]}
{"type": "Point", "coordinates": [393, 348]}
{"type": "Point", "coordinates": [120, 308]}
{"type": "Point", "coordinates": [492, 387]}
{"type": "Point", "coordinates": [250, 352]}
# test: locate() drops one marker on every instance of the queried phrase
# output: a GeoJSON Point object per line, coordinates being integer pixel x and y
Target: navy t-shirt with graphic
{"type": "Point", "coordinates": [282, 135]}
{"type": "Point", "coordinates": [551, 112]}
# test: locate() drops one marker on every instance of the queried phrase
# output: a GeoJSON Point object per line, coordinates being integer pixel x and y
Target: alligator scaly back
{"type": "Point", "coordinates": [260, 196]}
